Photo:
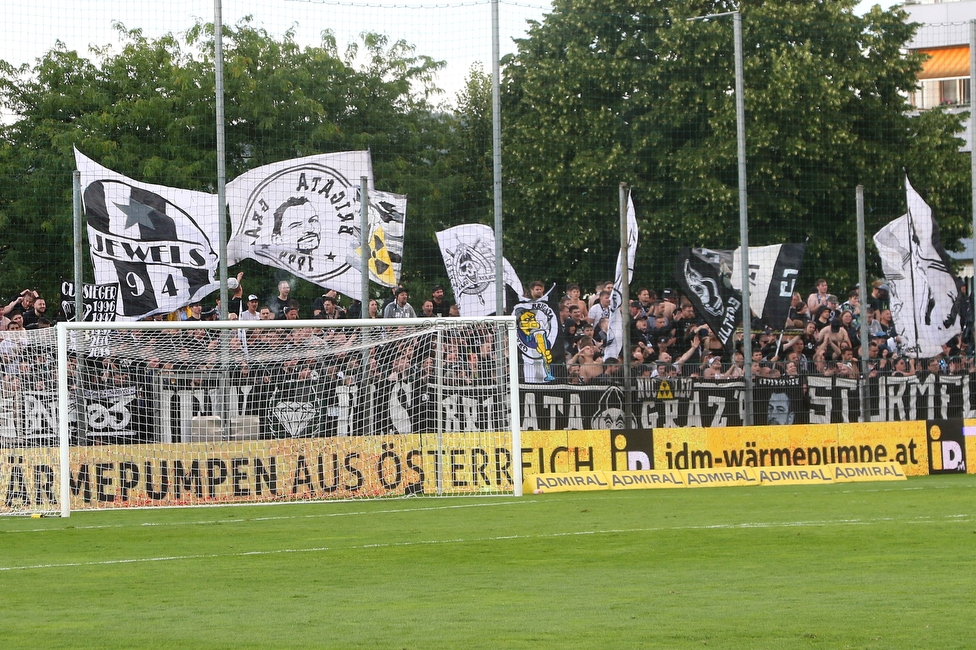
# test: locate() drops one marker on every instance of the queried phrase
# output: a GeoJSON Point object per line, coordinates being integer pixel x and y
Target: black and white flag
{"type": "Point", "coordinates": [469, 257]}
{"type": "Point", "coordinates": [615, 331]}
{"type": "Point", "coordinates": [773, 271]}
{"type": "Point", "coordinates": [700, 274]}
{"type": "Point", "coordinates": [302, 216]}
{"type": "Point", "coordinates": [925, 297]}
{"type": "Point", "coordinates": [156, 243]}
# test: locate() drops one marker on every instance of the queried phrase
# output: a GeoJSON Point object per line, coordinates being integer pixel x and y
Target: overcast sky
{"type": "Point", "coordinates": [457, 32]}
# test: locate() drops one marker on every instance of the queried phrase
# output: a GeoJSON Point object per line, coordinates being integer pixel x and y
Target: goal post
{"type": "Point", "coordinates": [196, 413]}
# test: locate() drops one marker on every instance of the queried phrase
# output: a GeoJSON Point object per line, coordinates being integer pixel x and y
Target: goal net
{"type": "Point", "coordinates": [163, 414]}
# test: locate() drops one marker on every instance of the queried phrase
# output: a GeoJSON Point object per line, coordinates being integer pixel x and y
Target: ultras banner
{"type": "Point", "coordinates": [150, 407]}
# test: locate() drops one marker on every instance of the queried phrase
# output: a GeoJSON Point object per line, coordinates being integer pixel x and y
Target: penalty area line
{"type": "Point", "coordinates": [495, 538]}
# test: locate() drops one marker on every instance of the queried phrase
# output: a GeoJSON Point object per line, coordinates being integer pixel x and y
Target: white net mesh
{"type": "Point", "coordinates": [267, 412]}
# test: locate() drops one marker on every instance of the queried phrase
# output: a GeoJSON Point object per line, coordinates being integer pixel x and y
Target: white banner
{"type": "Point", "coordinates": [615, 335]}
{"type": "Point", "coordinates": [302, 216]}
{"type": "Point", "coordinates": [924, 293]}
{"type": "Point", "coordinates": [469, 257]}
{"type": "Point", "coordinates": [157, 244]}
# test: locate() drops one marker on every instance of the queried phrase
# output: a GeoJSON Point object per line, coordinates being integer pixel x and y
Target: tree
{"type": "Point", "coordinates": [146, 110]}
{"type": "Point", "coordinates": [605, 91]}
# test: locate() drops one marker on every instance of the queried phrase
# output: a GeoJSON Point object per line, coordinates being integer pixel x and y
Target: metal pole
{"type": "Point", "coordinates": [496, 150]}
{"type": "Point", "coordinates": [972, 148]}
{"type": "Point", "coordinates": [439, 405]}
{"type": "Point", "coordinates": [515, 416]}
{"type": "Point", "coordinates": [225, 428]}
{"type": "Point", "coordinates": [364, 247]}
{"type": "Point", "coordinates": [625, 300]}
{"type": "Point", "coordinates": [862, 278]}
{"type": "Point", "coordinates": [221, 154]}
{"type": "Point", "coordinates": [63, 455]}
{"type": "Point", "coordinates": [740, 124]}
{"type": "Point", "coordinates": [79, 246]}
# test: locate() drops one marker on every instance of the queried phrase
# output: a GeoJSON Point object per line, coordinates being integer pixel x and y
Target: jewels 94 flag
{"type": "Point", "coordinates": [302, 216]}
{"type": "Point", "coordinates": [157, 244]}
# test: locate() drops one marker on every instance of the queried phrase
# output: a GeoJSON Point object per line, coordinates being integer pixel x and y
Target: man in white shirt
{"type": "Point", "coordinates": [251, 313]}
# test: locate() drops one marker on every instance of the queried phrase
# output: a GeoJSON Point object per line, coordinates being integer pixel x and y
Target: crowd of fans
{"type": "Point", "coordinates": [667, 338]}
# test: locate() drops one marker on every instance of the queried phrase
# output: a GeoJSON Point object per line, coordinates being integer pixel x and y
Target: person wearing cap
{"type": "Point", "coordinates": [318, 305]}
{"type": "Point", "coordinates": [251, 313]}
{"type": "Point", "coordinates": [400, 308]}
{"type": "Point", "coordinates": [879, 299]}
{"type": "Point", "coordinates": [440, 306]}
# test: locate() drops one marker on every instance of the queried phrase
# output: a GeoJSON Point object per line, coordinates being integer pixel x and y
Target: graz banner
{"type": "Point", "coordinates": [146, 405]}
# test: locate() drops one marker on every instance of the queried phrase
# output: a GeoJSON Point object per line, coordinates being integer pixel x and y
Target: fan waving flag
{"type": "Point", "coordinates": [302, 216]}
{"type": "Point", "coordinates": [156, 243]}
{"type": "Point", "coordinates": [469, 257]}
{"type": "Point", "coordinates": [615, 331]}
{"type": "Point", "coordinates": [925, 296]}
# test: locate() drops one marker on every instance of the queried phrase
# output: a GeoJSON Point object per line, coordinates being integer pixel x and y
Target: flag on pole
{"type": "Point", "coordinates": [469, 257]}
{"type": "Point", "coordinates": [302, 216]}
{"type": "Point", "coordinates": [386, 218]}
{"type": "Point", "coordinates": [157, 244]}
{"type": "Point", "coordinates": [700, 275]}
{"type": "Point", "coordinates": [615, 332]}
{"type": "Point", "coordinates": [924, 293]}
{"type": "Point", "coordinates": [773, 271]}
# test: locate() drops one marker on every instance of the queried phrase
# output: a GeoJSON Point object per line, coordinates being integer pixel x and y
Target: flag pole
{"type": "Point", "coordinates": [78, 246]}
{"type": "Point", "coordinates": [496, 155]}
{"type": "Point", "coordinates": [624, 271]}
{"type": "Point", "coordinates": [862, 278]}
{"type": "Point", "coordinates": [364, 247]}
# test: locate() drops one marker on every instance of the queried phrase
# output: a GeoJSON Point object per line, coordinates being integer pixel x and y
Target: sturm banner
{"type": "Point", "coordinates": [154, 407]}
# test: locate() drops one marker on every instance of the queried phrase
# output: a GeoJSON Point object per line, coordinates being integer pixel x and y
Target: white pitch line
{"type": "Point", "coordinates": [498, 538]}
{"type": "Point", "coordinates": [210, 522]}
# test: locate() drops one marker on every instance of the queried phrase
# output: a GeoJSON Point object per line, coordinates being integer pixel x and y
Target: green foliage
{"type": "Point", "coordinates": [626, 90]}
{"type": "Point", "coordinates": [146, 109]}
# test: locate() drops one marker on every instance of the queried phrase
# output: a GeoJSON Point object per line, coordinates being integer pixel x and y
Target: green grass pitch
{"type": "Point", "coordinates": [869, 565]}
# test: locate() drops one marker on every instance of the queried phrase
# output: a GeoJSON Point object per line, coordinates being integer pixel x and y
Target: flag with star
{"type": "Point", "coordinates": [157, 244]}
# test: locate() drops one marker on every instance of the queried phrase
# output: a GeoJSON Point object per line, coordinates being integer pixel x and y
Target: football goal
{"type": "Point", "coordinates": [121, 415]}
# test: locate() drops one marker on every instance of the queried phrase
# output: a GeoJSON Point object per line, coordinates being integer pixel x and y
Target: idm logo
{"type": "Point", "coordinates": [631, 449]}
{"type": "Point", "coordinates": [947, 448]}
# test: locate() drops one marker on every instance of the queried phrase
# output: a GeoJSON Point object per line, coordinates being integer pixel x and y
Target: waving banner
{"type": "Point", "coordinates": [700, 274]}
{"type": "Point", "coordinates": [773, 271]}
{"type": "Point", "coordinates": [302, 216]}
{"type": "Point", "coordinates": [925, 297]}
{"type": "Point", "coordinates": [615, 332]}
{"type": "Point", "coordinates": [469, 257]}
{"type": "Point", "coordinates": [386, 218]}
{"type": "Point", "coordinates": [156, 243]}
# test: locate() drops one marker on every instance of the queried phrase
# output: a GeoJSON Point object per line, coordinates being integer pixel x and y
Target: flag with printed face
{"type": "Point", "coordinates": [157, 244]}
{"type": "Point", "coordinates": [924, 293]}
{"type": "Point", "coordinates": [469, 257]}
{"type": "Point", "coordinates": [302, 216]}
{"type": "Point", "coordinates": [615, 332]}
